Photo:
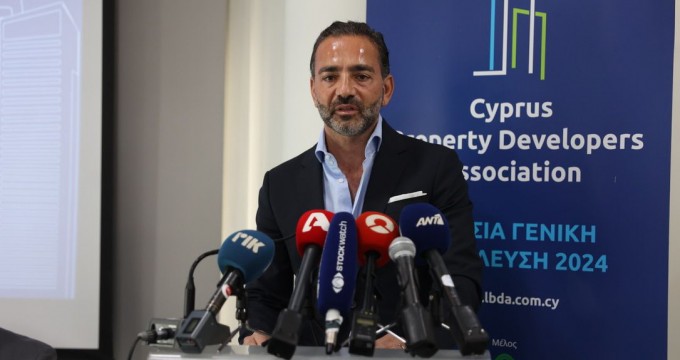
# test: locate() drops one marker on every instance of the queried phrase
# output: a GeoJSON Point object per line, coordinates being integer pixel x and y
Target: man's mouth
{"type": "Point", "coordinates": [346, 109]}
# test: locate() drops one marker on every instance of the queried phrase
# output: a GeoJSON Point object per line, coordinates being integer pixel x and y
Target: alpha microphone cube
{"type": "Point", "coordinates": [472, 338]}
{"type": "Point", "coordinates": [285, 336]}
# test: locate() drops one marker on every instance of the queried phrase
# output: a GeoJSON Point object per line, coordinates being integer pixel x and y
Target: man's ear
{"type": "Point", "coordinates": [388, 89]}
{"type": "Point", "coordinates": [311, 89]}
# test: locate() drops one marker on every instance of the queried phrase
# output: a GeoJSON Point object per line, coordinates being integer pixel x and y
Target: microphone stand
{"type": "Point", "coordinates": [241, 312]}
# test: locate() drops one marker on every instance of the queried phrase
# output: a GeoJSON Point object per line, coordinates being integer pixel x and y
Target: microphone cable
{"type": "Point", "coordinates": [132, 349]}
{"type": "Point", "coordinates": [190, 289]}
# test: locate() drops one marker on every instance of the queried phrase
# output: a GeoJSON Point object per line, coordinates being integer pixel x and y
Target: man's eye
{"type": "Point", "coordinates": [362, 77]}
{"type": "Point", "coordinates": [328, 78]}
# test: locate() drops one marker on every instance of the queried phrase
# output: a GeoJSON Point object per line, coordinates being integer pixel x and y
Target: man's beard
{"type": "Point", "coordinates": [368, 115]}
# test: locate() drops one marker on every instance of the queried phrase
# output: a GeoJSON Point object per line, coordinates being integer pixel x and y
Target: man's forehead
{"type": "Point", "coordinates": [354, 45]}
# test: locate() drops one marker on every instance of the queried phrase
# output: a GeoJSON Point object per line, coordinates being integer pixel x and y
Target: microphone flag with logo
{"type": "Point", "coordinates": [243, 257]}
{"type": "Point", "coordinates": [337, 275]}
{"type": "Point", "coordinates": [248, 251]}
{"type": "Point", "coordinates": [426, 226]}
{"type": "Point", "coordinates": [311, 229]}
{"type": "Point", "coordinates": [376, 232]}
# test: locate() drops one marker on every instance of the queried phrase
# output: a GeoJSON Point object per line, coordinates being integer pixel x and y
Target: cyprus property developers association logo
{"type": "Point", "coordinates": [519, 27]}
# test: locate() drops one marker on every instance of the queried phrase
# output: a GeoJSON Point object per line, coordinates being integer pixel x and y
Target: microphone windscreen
{"type": "Point", "coordinates": [338, 267]}
{"type": "Point", "coordinates": [376, 232]}
{"type": "Point", "coordinates": [311, 229]}
{"type": "Point", "coordinates": [402, 246]}
{"type": "Point", "coordinates": [249, 251]}
{"type": "Point", "coordinates": [426, 226]}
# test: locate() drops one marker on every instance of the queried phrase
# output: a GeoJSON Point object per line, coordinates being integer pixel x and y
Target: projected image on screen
{"type": "Point", "coordinates": [39, 145]}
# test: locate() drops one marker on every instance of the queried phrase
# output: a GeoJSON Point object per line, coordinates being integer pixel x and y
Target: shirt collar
{"type": "Point", "coordinates": [372, 146]}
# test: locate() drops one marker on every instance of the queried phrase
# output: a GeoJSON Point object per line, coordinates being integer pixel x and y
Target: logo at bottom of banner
{"type": "Point", "coordinates": [505, 345]}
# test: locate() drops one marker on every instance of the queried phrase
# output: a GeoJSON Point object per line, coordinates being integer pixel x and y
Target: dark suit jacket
{"type": "Point", "coordinates": [402, 165]}
{"type": "Point", "coordinates": [18, 347]}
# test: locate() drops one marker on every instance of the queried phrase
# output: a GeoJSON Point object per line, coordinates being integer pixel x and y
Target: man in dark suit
{"type": "Point", "coordinates": [18, 347]}
{"type": "Point", "coordinates": [359, 164]}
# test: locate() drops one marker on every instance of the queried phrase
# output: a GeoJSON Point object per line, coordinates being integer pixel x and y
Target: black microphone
{"type": "Point", "coordinates": [416, 321]}
{"type": "Point", "coordinates": [311, 231]}
{"type": "Point", "coordinates": [243, 257]}
{"type": "Point", "coordinates": [376, 232]}
{"type": "Point", "coordinates": [427, 226]}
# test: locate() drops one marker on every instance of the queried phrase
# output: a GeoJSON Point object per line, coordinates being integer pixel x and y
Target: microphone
{"type": "Point", "coordinates": [376, 232]}
{"type": "Point", "coordinates": [417, 323]}
{"type": "Point", "coordinates": [429, 229]}
{"type": "Point", "coordinates": [311, 231]}
{"type": "Point", "coordinates": [243, 257]}
{"type": "Point", "coordinates": [337, 275]}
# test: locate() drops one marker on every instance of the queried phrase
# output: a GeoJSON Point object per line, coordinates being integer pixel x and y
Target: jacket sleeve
{"type": "Point", "coordinates": [462, 259]}
{"type": "Point", "coordinates": [269, 294]}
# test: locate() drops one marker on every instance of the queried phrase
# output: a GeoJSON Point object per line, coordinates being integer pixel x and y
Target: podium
{"type": "Point", "coordinates": [243, 352]}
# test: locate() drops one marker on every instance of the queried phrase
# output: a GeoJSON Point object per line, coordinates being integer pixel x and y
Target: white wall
{"type": "Point", "coordinates": [270, 116]}
{"type": "Point", "coordinates": [170, 111]}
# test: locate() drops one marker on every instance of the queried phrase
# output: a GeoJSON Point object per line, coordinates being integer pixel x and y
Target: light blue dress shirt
{"type": "Point", "coordinates": [336, 193]}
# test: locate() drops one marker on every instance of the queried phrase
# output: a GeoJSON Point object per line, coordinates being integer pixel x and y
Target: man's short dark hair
{"type": "Point", "coordinates": [340, 28]}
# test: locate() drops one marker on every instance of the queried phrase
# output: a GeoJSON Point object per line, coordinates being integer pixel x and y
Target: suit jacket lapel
{"type": "Point", "coordinates": [387, 170]}
{"type": "Point", "coordinates": [309, 185]}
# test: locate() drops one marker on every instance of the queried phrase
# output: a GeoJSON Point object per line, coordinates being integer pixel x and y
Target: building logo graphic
{"type": "Point", "coordinates": [516, 12]}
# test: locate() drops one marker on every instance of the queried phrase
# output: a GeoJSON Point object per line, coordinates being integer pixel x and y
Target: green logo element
{"type": "Point", "coordinates": [544, 23]}
{"type": "Point", "coordinates": [503, 357]}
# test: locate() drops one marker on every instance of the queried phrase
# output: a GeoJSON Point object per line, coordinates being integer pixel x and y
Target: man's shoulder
{"type": "Point", "coordinates": [422, 146]}
{"type": "Point", "coordinates": [17, 346]}
{"type": "Point", "coordinates": [304, 159]}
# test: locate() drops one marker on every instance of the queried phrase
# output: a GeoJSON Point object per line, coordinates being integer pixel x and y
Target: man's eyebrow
{"type": "Point", "coordinates": [331, 68]}
{"type": "Point", "coordinates": [353, 68]}
{"type": "Point", "coordinates": [361, 67]}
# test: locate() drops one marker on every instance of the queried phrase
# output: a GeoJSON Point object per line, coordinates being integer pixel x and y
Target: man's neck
{"type": "Point", "coordinates": [350, 152]}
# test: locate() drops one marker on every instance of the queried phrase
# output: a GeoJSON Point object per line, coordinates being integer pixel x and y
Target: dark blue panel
{"type": "Point", "coordinates": [608, 82]}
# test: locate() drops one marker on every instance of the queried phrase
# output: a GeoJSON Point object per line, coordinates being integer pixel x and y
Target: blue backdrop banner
{"type": "Point", "coordinates": [561, 113]}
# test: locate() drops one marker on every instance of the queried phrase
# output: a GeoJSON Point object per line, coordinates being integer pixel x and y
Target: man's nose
{"type": "Point", "coordinates": [346, 86]}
